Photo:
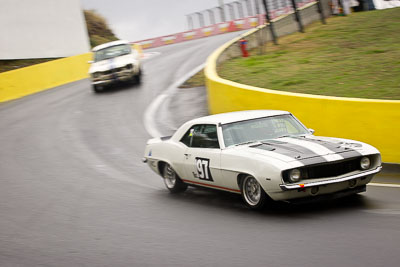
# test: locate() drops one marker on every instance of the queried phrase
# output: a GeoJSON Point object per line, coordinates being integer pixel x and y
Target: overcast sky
{"type": "Point", "coordinates": [136, 20]}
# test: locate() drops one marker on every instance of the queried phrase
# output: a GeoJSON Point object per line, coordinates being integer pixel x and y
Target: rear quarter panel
{"type": "Point", "coordinates": [168, 151]}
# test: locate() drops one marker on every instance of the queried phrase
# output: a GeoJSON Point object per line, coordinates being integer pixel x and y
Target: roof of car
{"type": "Point", "coordinates": [230, 117]}
{"type": "Point", "coordinates": [113, 43]}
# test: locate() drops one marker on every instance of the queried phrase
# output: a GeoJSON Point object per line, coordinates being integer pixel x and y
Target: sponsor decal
{"type": "Point", "coordinates": [203, 169]}
{"type": "Point", "coordinates": [189, 35]}
{"type": "Point", "coordinates": [207, 31]}
{"type": "Point", "coordinates": [169, 39]}
{"type": "Point", "coordinates": [223, 27]}
{"type": "Point", "coordinates": [239, 23]}
{"type": "Point", "coordinates": [147, 44]}
{"type": "Point", "coordinates": [253, 22]}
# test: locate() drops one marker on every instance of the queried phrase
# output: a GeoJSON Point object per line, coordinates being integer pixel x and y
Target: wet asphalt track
{"type": "Point", "coordinates": [73, 192]}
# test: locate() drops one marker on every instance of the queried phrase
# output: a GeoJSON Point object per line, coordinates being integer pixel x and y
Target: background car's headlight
{"type": "Point", "coordinates": [129, 66]}
{"type": "Point", "coordinates": [365, 163]}
{"type": "Point", "coordinates": [295, 175]}
{"type": "Point", "coordinates": [96, 75]}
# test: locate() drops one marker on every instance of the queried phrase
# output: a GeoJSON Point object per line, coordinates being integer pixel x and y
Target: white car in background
{"type": "Point", "coordinates": [262, 155]}
{"type": "Point", "coordinates": [114, 62]}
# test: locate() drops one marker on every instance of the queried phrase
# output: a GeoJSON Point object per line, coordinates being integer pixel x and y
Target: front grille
{"type": "Point", "coordinates": [115, 70]}
{"type": "Point", "coordinates": [327, 169]}
{"type": "Point", "coordinates": [332, 169]}
{"type": "Point", "coordinates": [107, 72]}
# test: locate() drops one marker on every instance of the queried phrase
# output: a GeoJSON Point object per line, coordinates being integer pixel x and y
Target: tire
{"type": "Point", "coordinates": [138, 77]}
{"type": "Point", "coordinates": [97, 89]}
{"type": "Point", "coordinates": [172, 181]}
{"type": "Point", "coordinates": [252, 193]}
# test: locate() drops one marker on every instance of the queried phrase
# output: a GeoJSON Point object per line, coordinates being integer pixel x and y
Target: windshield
{"type": "Point", "coordinates": [113, 51]}
{"type": "Point", "coordinates": [261, 129]}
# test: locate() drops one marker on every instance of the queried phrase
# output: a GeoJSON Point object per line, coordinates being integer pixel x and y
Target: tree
{"type": "Point", "coordinates": [98, 29]}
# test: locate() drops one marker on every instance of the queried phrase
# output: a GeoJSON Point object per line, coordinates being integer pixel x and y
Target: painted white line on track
{"type": "Point", "coordinates": [149, 115]}
{"type": "Point", "coordinates": [385, 185]}
{"type": "Point", "coordinates": [148, 55]}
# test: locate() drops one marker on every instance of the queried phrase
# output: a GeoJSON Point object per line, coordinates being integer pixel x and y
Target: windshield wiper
{"type": "Point", "coordinates": [246, 143]}
{"type": "Point", "coordinates": [283, 136]}
{"type": "Point", "coordinates": [291, 135]}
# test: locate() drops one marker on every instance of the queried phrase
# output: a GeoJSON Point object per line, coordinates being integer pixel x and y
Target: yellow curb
{"type": "Point", "coordinates": [373, 121]}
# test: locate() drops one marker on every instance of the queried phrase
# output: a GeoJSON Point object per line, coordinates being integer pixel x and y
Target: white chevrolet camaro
{"type": "Point", "coordinates": [262, 155]}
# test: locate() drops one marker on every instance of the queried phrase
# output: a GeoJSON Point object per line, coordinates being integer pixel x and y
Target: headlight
{"type": "Point", "coordinates": [295, 175]}
{"type": "Point", "coordinates": [129, 66]}
{"type": "Point", "coordinates": [365, 163]}
{"type": "Point", "coordinates": [96, 75]}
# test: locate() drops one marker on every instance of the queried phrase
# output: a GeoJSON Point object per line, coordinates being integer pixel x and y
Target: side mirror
{"type": "Point", "coordinates": [312, 131]}
{"type": "Point", "coordinates": [90, 62]}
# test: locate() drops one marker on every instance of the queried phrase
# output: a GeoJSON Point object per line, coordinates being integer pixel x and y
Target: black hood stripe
{"type": "Point", "coordinates": [350, 153]}
{"type": "Point", "coordinates": [296, 152]}
{"type": "Point", "coordinates": [334, 147]}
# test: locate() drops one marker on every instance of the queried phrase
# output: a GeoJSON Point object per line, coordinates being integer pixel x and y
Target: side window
{"type": "Point", "coordinates": [127, 49]}
{"type": "Point", "coordinates": [206, 138]}
{"type": "Point", "coordinates": [187, 138]}
{"type": "Point", "coordinates": [203, 136]}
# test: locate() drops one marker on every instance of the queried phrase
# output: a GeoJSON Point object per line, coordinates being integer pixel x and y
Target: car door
{"type": "Point", "coordinates": [202, 156]}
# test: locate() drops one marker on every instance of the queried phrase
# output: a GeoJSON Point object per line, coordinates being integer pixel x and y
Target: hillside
{"type": "Point", "coordinates": [98, 29]}
{"type": "Point", "coordinates": [352, 56]}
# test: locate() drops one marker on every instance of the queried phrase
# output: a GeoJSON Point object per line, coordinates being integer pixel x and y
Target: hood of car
{"type": "Point", "coordinates": [111, 63]}
{"type": "Point", "coordinates": [307, 150]}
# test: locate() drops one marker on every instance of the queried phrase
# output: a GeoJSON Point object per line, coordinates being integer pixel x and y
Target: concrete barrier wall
{"type": "Point", "coordinates": [25, 81]}
{"type": "Point", "coordinates": [376, 122]}
{"type": "Point", "coordinates": [42, 29]}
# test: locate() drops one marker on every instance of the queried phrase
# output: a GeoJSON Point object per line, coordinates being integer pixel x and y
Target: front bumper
{"type": "Point", "coordinates": [286, 187]}
{"type": "Point", "coordinates": [114, 77]}
{"type": "Point", "coordinates": [336, 195]}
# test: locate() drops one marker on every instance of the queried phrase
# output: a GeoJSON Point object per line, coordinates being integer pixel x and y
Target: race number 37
{"type": "Point", "coordinates": [203, 169]}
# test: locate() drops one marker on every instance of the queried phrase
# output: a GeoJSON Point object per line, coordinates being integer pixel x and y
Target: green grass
{"type": "Point", "coordinates": [7, 65]}
{"type": "Point", "coordinates": [195, 81]}
{"type": "Point", "coordinates": [353, 56]}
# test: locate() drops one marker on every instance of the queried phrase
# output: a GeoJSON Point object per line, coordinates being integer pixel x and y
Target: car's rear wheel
{"type": "Point", "coordinates": [172, 180]}
{"type": "Point", "coordinates": [252, 193]}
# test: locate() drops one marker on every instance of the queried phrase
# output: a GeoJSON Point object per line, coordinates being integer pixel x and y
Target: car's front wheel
{"type": "Point", "coordinates": [138, 77]}
{"type": "Point", "coordinates": [97, 88]}
{"type": "Point", "coordinates": [172, 180]}
{"type": "Point", "coordinates": [252, 193]}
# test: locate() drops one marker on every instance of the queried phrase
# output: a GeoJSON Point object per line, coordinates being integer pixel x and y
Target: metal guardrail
{"type": "Point", "coordinates": [236, 22]}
